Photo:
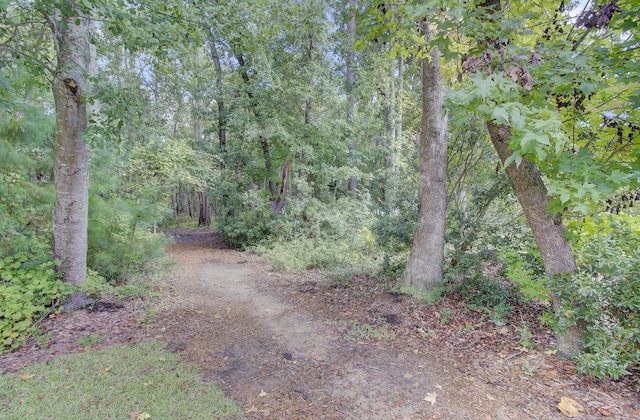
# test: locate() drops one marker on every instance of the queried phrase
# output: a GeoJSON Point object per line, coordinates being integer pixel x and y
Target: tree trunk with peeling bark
{"type": "Point", "coordinates": [71, 172]}
{"type": "Point", "coordinates": [424, 267]}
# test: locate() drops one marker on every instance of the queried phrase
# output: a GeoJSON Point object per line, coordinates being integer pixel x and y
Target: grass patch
{"type": "Point", "coordinates": [143, 381]}
{"type": "Point", "coordinates": [357, 331]}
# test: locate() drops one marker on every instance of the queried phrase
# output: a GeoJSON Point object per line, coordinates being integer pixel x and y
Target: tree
{"type": "Point", "coordinates": [424, 267]}
{"type": "Point", "coordinates": [350, 79]}
{"type": "Point", "coordinates": [547, 228]}
{"type": "Point", "coordinates": [71, 161]}
{"type": "Point", "coordinates": [533, 87]}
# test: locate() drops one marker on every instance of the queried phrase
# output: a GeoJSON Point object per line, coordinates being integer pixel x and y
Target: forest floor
{"type": "Point", "coordinates": [299, 346]}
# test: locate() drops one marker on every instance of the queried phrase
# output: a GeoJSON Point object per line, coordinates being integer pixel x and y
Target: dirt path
{"type": "Point", "coordinates": [285, 347]}
{"type": "Point", "coordinates": [297, 346]}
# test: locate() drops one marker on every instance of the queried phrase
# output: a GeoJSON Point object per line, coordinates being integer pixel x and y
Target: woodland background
{"type": "Point", "coordinates": [296, 127]}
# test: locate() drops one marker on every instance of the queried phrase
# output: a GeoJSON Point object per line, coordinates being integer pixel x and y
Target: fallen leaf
{"type": "Point", "coordinates": [262, 393]}
{"type": "Point", "coordinates": [431, 397]}
{"type": "Point", "coordinates": [491, 397]}
{"type": "Point", "coordinates": [550, 352]}
{"type": "Point", "coordinates": [408, 376]}
{"type": "Point", "coordinates": [147, 383]}
{"type": "Point", "coordinates": [438, 386]}
{"type": "Point", "coordinates": [604, 412]}
{"type": "Point", "coordinates": [105, 370]}
{"type": "Point", "coordinates": [26, 376]}
{"type": "Point", "coordinates": [139, 415]}
{"type": "Point", "coordinates": [253, 409]}
{"type": "Point", "coordinates": [570, 407]}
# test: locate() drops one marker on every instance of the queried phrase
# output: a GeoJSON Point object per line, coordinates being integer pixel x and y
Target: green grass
{"type": "Point", "coordinates": [143, 381]}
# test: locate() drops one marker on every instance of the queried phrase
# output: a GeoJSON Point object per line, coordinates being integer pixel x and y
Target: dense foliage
{"type": "Point", "coordinates": [242, 115]}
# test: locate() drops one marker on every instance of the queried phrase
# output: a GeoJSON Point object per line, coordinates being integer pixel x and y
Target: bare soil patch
{"type": "Point", "coordinates": [297, 345]}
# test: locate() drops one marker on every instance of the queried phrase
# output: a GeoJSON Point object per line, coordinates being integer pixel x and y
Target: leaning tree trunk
{"type": "Point", "coordinates": [71, 174]}
{"type": "Point", "coordinates": [547, 228]}
{"type": "Point", "coordinates": [424, 267]}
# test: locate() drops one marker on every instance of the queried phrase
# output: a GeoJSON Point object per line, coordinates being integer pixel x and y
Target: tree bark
{"type": "Point", "coordinates": [547, 228]}
{"type": "Point", "coordinates": [71, 174]}
{"type": "Point", "coordinates": [424, 267]}
{"type": "Point", "coordinates": [264, 142]}
{"type": "Point", "coordinates": [350, 82]}
{"type": "Point", "coordinates": [204, 217]}
{"type": "Point", "coordinates": [222, 118]}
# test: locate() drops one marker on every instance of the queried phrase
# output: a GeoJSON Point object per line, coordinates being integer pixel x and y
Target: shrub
{"type": "Point", "coordinates": [605, 293]}
{"type": "Point", "coordinates": [489, 295]}
{"type": "Point", "coordinates": [524, 267]}
{"type": "Point", "coordinates": [121, 219]}
{"type": "Point", "coordinates": [248, 223]}
{"type": "Point", "coordinates": [29, 289]}
{"type": "Point", "coordinates": [312, 234]}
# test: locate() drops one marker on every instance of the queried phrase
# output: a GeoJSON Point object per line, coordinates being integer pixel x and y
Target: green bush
{"type": "Point", "coordinates": [29, 289]}
{"type": "Point", "coordinates": [492, 296]}
{"type": "Point", "coordinates": [121, 242]}
{"type": "Point", "coordinates": [524, 267]}
{"type": "Point", "coordinates": [248, 223]}
{"type": "Point", "coordinates": [395, 227]}
{"type": "Point", "coordinates": [605, 293]}
{"type": "Point", "coordinates": [312, 234]}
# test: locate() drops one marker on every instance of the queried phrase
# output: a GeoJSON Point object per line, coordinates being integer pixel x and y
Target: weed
{"type": "Point", "coordinates": [426, 334]}
{"type": "Point", "coordinates": [445, 315]}
{"type": "Point", "coordinates": [90, 340]}
{"type": "Point", "coordinates": [147, 318]}
{"type": "Point", "coordinates": [525, 338]}
{"type": "Point", "coordinates": [42, 339]}
{"type": "Point", "coordinates": [488, 295]}
{"type": "Point", "coordinates": [526, 368]}
{"type": "Point", "coordinates": [361, 332]}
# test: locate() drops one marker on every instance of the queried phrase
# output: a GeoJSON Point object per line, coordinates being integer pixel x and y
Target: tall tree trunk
{"type": "Point", "coordinates": [264, 142]}
{"type": "Point", "coordinates": [547, 228]}
{"type": "Point", "coordinates": [71, 173]}
{"type": "Point", "coordinates": [222, 118]}
{"type": "Point", "coordinates": [399, 110]}
{"type": "Point", "coordinates": [204, 217]}
{"type": "Point", "coordinates": [350, 82]}
{"type": "Point", "coordinates": [424, 267]}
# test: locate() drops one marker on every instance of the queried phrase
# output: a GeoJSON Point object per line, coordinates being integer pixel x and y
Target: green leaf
{"type": "Point", "coordinates": [515, 157]}
{"type": "Point", "coordinates": [500, 116]}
